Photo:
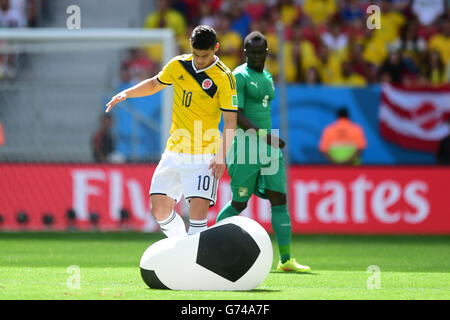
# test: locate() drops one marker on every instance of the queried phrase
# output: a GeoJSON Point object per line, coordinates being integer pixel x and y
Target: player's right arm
{"type": "Point", "coordinates": [146, 87]}
{"type": "Point", "coordinates": [142, 89]}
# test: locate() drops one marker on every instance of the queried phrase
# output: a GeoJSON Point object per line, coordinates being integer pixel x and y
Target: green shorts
{"type": "Point", "coordinates": [248, 179]}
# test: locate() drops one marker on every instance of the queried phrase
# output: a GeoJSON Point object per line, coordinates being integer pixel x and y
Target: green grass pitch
{"type": "Point", "coordinates": [35, 266]}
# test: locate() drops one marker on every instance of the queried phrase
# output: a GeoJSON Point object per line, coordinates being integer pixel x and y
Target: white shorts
{"type": "Point", "coordinates": [183, 174]}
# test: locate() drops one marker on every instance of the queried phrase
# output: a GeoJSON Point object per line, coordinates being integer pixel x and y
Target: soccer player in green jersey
{"type": "Point", "coordinates": [255, 91]}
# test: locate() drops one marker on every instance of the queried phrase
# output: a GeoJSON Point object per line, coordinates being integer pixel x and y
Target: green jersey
{"type": "Point", "coordinates": [253, 170]}
{"type": "Point", "coordinates": [255, 92]}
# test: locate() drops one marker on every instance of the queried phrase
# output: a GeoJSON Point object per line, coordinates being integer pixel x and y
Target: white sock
{"type": "Point", "coordinates": [197, 226]}
{"type": "Point", "coordinates": [173, 226]}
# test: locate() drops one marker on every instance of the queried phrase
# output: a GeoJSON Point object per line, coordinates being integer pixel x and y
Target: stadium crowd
{"type": "Point", "coordinates": [327, 41]}
{"type": "Point", "coordinates": [15, 14]}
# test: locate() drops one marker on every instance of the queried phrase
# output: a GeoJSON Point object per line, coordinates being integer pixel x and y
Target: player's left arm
{"type": "Point", "coordinates": [245, 123]}
{"type": "Point", "coordinates": [218, 164]}
{"type": "Point", "coordinates": [228, 101]}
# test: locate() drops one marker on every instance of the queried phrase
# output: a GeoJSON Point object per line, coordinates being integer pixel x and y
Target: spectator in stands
{"type": "Point", "coordinates": [393, 69]}
{"type": "Point", "coordinates": [289, 12]}
{"type": "Point", "coordinates": [335, 39]}
{"type": "Point", "coordinates": [441, 42]}
{"type": "Point", "coordinates": [125, 79]}
{"type": "Point", "coordinates": [230, 42]}
{"type": "Point", "coordinates": [355, 55]}
{"type": "Point", "coordinates": [351, 10]}
{"type": "Point", "coordinates": [349, 77]}
{"type": "Point", "coordinates": [399, 5]}
{"type": "Point", "coordinates": [103, 142]}
{"type": "Point", "coordinates": [375, 50]}
{"type": "Point", "coordinates": [291, 58]}
{"type": "Point", "coordinates": [206, 16]}
{"type": "Point", "coordinates": [255, 9]}
{"type": "Point", "coordinates": [356, 30]}
{"type": "Point", "coordinates": [183, 7]}
{"type": "Point", "coordinates": [303, 54]}
{"type": "Point", "coordinates": [359, 65]}
{"type": "Point", "coordinates": [427, 11]}
{"type": "Point", "coordinates": [392, 21]}
{"type": "Point", "coordinates": [312, 77]}
{"type": "Point", "coordinates": [164, 17]}
{"type": "Point", "coordinates": [240, 20]}
{"type": "Point", "coordinates": [329, 66]}
{"type": "Point", "coordinates": [11, 17]}
{"type": "Point", "coordinates": [184, 43]}
{"type": "Point", "coordinates": [435, 70]}
{"type": "Point", "coordinates": [139, 65]}
{"type": "Point", "coordinates": [320, 11]}
{"type": "Point", "coordinates": [33, 15]}
{"type": "Point", "coordinates": [343, 141]}
{"type": "Point", "coordinates": [411, 45]}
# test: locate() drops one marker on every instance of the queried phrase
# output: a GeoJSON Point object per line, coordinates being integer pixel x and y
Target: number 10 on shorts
{"type": "Point", "coordinates": [203, 183]}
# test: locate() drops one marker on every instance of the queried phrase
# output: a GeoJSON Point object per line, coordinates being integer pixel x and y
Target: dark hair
{"type": "Point", "coordinates": [254, 36]}
{"type": "Point", "coordinates": [203, 38]}
{"type": "Point", "coordinates": [342, 113]}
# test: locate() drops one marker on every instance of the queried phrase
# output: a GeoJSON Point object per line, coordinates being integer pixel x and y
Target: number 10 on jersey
{"type": "Point", "coordinates": [187, 97]}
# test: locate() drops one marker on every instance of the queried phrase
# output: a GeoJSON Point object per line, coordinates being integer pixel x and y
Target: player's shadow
{"type": "Point", "coordinates": [294, 273]}
{"type": "Point", "coordinates": [252, 291]}
{"type": "Point", "coordinates": [262, 291]}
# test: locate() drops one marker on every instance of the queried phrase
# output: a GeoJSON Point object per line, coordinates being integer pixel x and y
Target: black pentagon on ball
{"type": "Point", "coordinates": [227, 250]}
{"type": "Point", "coordinates": [151, 279]}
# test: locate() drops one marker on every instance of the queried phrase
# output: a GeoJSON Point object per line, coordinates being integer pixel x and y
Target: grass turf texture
{"type": "Point", "coordinates": [34, 266]}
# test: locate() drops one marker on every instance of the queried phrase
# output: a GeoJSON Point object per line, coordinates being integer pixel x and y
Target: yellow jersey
{"type": "Point", "coordinates": [200, 96]}
{"type": "Point", "coordinates": [441, 43]}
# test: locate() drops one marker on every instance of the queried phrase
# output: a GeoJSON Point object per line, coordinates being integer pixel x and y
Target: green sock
{"type": "Point", "coordinates": [281, 225]}
{"type": "Point", "coordinates": [227, 211]}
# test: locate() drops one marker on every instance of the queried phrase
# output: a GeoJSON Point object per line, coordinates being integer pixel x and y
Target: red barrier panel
{"type": "Point", "coordinates": [403, 200]}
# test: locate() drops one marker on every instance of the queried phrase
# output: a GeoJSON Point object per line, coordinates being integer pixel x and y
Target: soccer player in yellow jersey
{"type": "Point", "coordinates": [194, 159]}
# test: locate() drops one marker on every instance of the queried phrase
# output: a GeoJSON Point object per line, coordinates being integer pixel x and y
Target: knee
{"type": "Point", "coordinates": [239, 206]}
{"type": "Point", "coordinates": [160, 214]}
{"type": "Point", "coordinates": [161, 206]}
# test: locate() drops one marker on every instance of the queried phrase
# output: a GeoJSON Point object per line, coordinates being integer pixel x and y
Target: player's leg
{"type": "Point", "coordinates": [274, 187]}
{"type": "Point", "coordinates": [281, 223]}
{"type": "Point", "coordinates": [242, 184]}
{"type": "Point", "coordinates": [200, 190]}
{"type": "Point", "coordinates": [165, 191]}
{"type": "Point", "coordinates": [169, 221]}
{"type": "Point", "coordinates": [198, 214]}
{"type": "Point", "coordinates": [231, 209]}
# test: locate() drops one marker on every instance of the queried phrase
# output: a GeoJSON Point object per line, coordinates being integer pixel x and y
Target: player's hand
{"type": "Point", "coordinates": [217, 168]}
{"type": "Point", "coordinates": [121, 96]}
{"type": "Point", "coordinates": [275, 141]}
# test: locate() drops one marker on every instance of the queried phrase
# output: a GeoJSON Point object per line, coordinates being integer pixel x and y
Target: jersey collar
{"type": "Point", "coordinates": [204, 69]}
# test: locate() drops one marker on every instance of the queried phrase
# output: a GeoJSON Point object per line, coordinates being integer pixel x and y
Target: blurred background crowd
{"type": "Point", "coordinates": [15, 14]}
{"type": "Point", "coordinates": [327, 41]}
{"type": "Point", "coordinates": [333, 58]}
